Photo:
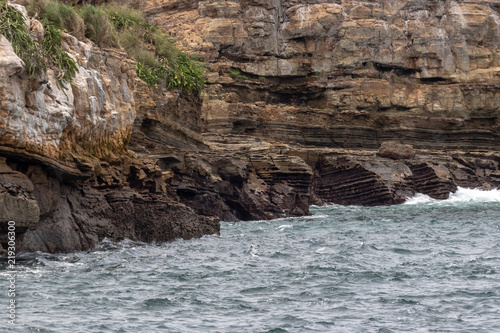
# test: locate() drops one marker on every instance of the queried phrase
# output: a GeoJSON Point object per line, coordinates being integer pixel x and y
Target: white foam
{"type": "Point", "coordinates": [285, 226]}
{"type": "Point", "coordinates": [462, 195]}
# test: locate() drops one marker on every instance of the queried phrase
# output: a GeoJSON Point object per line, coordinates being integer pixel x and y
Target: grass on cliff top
{"type": "Point", "coordinates": [157, 57]}
{"type": "Point", "coordinates": [158, 60]}
{"type": "Point", "coordinates": [35, 55]}
{"type": "Point", "coordinates": [60, 15]}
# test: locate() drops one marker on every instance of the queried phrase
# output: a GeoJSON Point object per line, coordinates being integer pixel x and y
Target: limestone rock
{"type": "Point", "coordinates": [396, 151]}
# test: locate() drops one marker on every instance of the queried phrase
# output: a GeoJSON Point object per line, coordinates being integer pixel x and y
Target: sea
{"type": "Point", "coordinates": [423, 266]}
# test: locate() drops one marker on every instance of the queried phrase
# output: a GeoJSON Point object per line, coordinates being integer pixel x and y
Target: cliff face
{"type": "Point", "coordinates": [300, 96]}
{"type": "Point", "coordinates": [66, 177]}
{"type": "Point", "coordinates": [327, 82]}
{"type": "Point", "coordinates": [347, 73]}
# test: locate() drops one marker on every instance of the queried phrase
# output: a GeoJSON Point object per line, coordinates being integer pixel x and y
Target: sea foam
{"type": "Point", "coordinates": [462, 195]}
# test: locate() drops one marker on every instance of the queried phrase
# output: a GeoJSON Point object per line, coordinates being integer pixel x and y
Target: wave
{"type": "Point", "coordinates": [462, 195]}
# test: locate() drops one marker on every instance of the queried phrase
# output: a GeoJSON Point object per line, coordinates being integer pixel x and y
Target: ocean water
{"type": "Point", "coordinates": [424, 266]}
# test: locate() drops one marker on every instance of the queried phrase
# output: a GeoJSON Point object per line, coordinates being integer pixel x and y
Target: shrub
{"type": "Point", "coordinates": [165, 46]}
{"type": "Point", "coordinates": [34, 55]}
{"type": "Point", "coordinates": [146, 57]}
{"type": "Point", "coordinates": [151, 75]}
{"type": "Point", "coordinates": [64, 65]}
{"type": "Point", "coordinates": [98, 27]}
{"type": "Point", "coordinates": [157, 57]}
{"type": "Point", "coordinates": [13, 28]}
{"type": "Point", "coordinates": [61, 15]}
{"type": "Point", "coordinates": [123, 17]}
{"type": "Point", "coordinates": [186, 74]}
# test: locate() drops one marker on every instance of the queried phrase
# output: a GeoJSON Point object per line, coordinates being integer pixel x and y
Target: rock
{"type": "Point", "coordinates": [232, 97]}
{"type": "Point", "coordinates": [396, 151]}
{"type": "Point", "coordinates": [66, 177]}
{"type": "Point", "coordinates": [328, 85]}
{"type": "Point", "coordinates": [98, 106]}
{"type": "Point", "coordinates": [36, 30]}
{"type": "Point", "coordinates": [356, 74]}
{"type": "Point", "coordinates": [345, 181]}
{"type": "Point", "coordinates": [17, 201]}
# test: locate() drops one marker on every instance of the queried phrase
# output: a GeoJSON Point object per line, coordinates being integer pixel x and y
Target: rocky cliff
{"type": "Point", "coordinates": [307, 102]}
{"type": "Point", "coordinates": [346, 74]}
{"type": "Point", "coordinates": [328, 82]}
{"type": "Point", "coordinates": [66, 176]}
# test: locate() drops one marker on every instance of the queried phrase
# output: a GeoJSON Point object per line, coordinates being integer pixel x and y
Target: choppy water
{"type": "Point", "coordinates": [425, 266]}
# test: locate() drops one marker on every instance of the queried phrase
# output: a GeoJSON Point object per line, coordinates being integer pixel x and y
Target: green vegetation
{"type": "Point", "coordinates": [60, 15]}
{"type": "Point", "coordinates": [98, 28]}
{"type": "Point", "coordinates": [36, 56]}
{"type": "Point", "coordinates": [158, 60]}
{"type": "Point", "coordinates": [64, 65]}
{"type": "Point", "coordinates": [157, 57]}
{"type": "Point", "coordinates": [13, 28]}
{"type": "Point", "coordinates": [235, 73]}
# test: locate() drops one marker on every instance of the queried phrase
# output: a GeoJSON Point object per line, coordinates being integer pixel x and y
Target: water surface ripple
{"type": "Point", "coordinates": [425, 266]}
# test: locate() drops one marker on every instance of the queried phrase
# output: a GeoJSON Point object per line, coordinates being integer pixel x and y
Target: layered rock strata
{"type": "Point", "coordinates": [346, 74]}
{"type": "Point", "coordinates": [66, 176]}
{"type": "Point", "coordinates": [336, 80]}
{"type": "Point", "coordinates": [300, 96]}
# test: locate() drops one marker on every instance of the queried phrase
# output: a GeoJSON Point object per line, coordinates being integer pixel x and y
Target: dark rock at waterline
{"type": "Point", "coordinates": [116, 204]}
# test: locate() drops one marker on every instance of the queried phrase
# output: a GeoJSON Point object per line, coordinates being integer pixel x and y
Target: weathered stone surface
{"type": "Point", "coordinates": [357, 178]}
{"type": "Point", "coordinates": [84, 216]}
{"type": "Point", "coordinates": [17, 201]}
{"type": "Point", "coordinates": [347, 74]}
{"type": "Point", "coordinates": [249, 185]}
{"type": "Point", "coordinates": [396, 151]}
{"type": "Point", "coordinates": [66, 176]}
{"type": "Point", "coordinates": [92, 116]}
{"type": "Point", "coordinates": [327, 83]}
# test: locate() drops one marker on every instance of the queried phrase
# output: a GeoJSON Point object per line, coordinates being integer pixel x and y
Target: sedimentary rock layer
{"type": "Point", "coordinates": [67, 178]}
{"type": "Point", "coordinates": [300, 95]}
{"type": "Point", "coordinates": [346, 74]}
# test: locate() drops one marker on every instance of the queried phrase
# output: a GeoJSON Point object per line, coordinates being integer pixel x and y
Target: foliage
{"type": "Point", "coordinates": [13, 28]}
{"type": "Point", "coordinates": [158, 60]}
{"type": "Point", "coordinates": [186, 74]}
{"type": "Point", "coordinates": [123, 17]}
{"type": "Point", "coordinates": [235, 73]}
{"type": "Point", "coordinates": [60, 60]}
{"type": "Point", "coordinates": [165, 46]}
{"type": "Point", "coordinates": [36, 56]}
{"type": "Point", "coordinates": [157, 57]}
{"type": "Point", "coordinates": [61, 15]}
{"type": "Point", "coordinates": [151, 75]}
{"type": "Point", "coordinates": [98, 27]}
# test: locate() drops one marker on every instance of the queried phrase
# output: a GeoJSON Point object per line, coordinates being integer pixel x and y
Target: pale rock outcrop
{"type": "Point", "coordinates": [66, 177]}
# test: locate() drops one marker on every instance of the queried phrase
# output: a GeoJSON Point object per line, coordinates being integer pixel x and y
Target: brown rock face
{"type": "Point", "coordinates": [67, 179]}
{"type": "Point", "coordinates": [321, 86]}
{"type": "Point", "coordinates": [347, 74]}
{"type": "Point", "coordinates": [331, 82]}
{"type": "Point", "coordinates": [396, 151]}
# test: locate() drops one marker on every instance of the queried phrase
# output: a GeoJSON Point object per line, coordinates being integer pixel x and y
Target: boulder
{"type": "Point", "coordinates": [396, 151]}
